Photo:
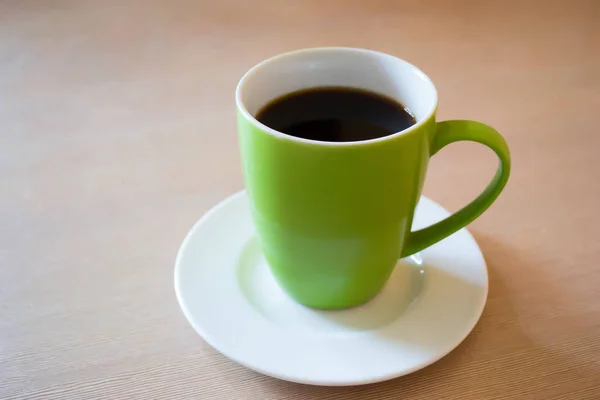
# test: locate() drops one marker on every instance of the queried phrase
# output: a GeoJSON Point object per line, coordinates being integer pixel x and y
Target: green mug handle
{"type": "Point", "coordinates": [455, 131]}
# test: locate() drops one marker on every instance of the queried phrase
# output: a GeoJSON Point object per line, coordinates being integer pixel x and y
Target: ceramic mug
{"type": "Point", "coordinates": [333, 218]}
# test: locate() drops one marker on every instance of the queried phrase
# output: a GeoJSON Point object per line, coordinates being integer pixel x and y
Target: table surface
{"type": "Point", "coordinates": [117, 132]}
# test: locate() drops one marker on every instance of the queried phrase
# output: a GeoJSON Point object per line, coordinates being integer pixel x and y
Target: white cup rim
{"type": "Point", "coordinates": [432, 108]}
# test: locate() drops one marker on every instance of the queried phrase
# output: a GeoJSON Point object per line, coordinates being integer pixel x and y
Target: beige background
{"type": "Point", "coordinates": [117, 133]}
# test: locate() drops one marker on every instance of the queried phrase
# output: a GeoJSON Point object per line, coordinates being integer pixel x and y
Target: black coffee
{"type": "Point", "coordinates": [336, 114]}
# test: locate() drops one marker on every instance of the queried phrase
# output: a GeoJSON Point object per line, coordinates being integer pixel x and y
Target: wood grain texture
{"type": "Point", "coordinates": [117, 132]}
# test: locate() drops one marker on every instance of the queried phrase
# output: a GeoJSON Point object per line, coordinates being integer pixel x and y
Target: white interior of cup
{"type": "Point", "coordinates": [337, 66]}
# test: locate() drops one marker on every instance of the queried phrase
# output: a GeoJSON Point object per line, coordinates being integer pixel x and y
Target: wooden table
{"type": "Point", "coordinates": [117, 133]}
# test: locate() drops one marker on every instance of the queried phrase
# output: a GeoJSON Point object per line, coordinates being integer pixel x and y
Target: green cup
{"type": "Point", "coordinates": [334, 218]}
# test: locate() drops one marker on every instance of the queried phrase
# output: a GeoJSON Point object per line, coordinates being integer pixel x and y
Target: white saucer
{"type": "Point", "coordinates": [228, 295]}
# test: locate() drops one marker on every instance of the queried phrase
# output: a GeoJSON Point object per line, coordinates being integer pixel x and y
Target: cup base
{"type": "Point", "coordinates": [268, 298]}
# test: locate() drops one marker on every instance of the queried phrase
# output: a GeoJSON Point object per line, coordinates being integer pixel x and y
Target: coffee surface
{"type": "Point", "coordinates": [336, 114]}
